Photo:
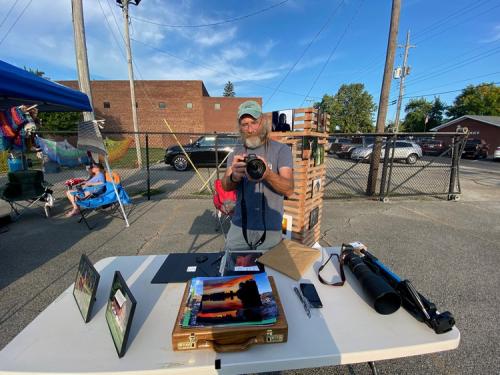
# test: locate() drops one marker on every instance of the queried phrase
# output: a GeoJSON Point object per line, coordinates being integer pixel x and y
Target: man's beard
{"type": "Point", "coordinates": [255, 140]}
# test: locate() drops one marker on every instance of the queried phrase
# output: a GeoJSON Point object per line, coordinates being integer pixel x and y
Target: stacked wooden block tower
{"type": "Point", "coordinates": [307, 142]}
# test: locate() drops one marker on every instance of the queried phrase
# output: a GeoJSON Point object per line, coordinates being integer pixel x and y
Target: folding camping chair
{"type": "Point", "coordinates": [224, 202]}
{"type": "Point", "coordinates": [24, 189]}
{"type": "Point", "coordinates": [107, 200]}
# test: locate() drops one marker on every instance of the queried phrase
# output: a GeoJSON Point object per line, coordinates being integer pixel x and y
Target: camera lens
{"type": "Point", "coordinates": [255, 168]}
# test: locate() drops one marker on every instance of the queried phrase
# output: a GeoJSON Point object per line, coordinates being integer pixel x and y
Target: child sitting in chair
{"type": "Point", "coordinates": [93, 186]}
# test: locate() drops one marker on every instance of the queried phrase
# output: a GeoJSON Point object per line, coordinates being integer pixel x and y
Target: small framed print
{"type": "Point", "coordinates": [84, 291]}
{"type": "Point", "coordinates": [120, 312]}
{"type": "Point", "coordinates": [313, 217]}
{"type": "Point", "coordinates": [282, 120]}
{"type": "Point", "coordinates": [316, 187]}
{"type": "Point", "coordinates": [286, 227]}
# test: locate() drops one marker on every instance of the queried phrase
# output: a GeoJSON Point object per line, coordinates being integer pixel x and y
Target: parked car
{"type": "Point", "coordinates": [496, 154]}
{"type": "Point", "coordinates": [329, 142]}
{"type": "Point", "coordinates": [202, 152]}
{"type": "Point", "coordinates": [343, 147]}
{"type": "Point", "coordinates": [432, 146]}
{"type": "Point", "coordinates": [410, 152]}
{"type": "Point", "coordinates": [476, 148]}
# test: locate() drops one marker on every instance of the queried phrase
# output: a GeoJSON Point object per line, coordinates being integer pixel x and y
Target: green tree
{"type": "Point", "coordinates": [423, 114]}
{"type": "Point", "coordinates": [351, 109]}
{"type": "Point", "coordinates": [229, 89]}
{"type": "Point", "coordinates": [61, 121]}
{"type": "Point", "coordinates": [483, 99]}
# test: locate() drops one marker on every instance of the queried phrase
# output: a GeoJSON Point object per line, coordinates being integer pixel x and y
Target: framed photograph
{"type": "Point", "coordinates": [307, 147]}
{"type": "Point", "coordinates": [321, 121]}
{"type": "Point", "coordinates": [286, 227]}
{"type": "Point", "coordinates": [86, 282]}
{"type": "Point", "coordinates": [316, 187]}
{"type": "Point", "coordinates": [319, 154]}
{"type": "Point", "coordinates": [282, 120]}
{"type": "Point", "coordinates": [313, 217]}
{"type": "Point", "coordinates": [120, 312]}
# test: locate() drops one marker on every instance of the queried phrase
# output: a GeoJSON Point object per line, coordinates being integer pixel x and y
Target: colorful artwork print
{"type": "Point", "coordinates": [230, 300]}
{"type": "Point", "coordinates": [319, 154]}
{"type": "Point", "coordinates": [119, 313]}
{"type": "Point", "coordinates": [308, 146]}
{"type": "Point", "coordinates": [86, 282]}
{"type": "Point", "coordinates": [313, 217]}
{"type": "Point", "coordinates": [286, 227]}
{"type": "Point", "coordinates": [282, 120]}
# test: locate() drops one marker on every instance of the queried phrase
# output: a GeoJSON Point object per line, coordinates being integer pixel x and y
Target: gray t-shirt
{"type": "Point", "coordinates": [277, 155]}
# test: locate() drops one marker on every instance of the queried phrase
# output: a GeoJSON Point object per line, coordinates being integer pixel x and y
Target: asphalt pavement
{"type": "Point", "coordinates": [450, 250]}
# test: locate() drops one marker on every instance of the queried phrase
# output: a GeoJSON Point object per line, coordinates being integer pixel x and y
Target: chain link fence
{"type": "Point", "coordinates": [411, 164]}
{"type": "Point", "coordinates": [415, 164]}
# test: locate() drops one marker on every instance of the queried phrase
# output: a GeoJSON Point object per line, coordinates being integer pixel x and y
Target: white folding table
{"type": "Point", "coordinates": [345, 331]}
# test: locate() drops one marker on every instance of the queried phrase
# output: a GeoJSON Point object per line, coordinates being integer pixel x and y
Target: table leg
{"type": "Point", "coordinates": [373, 368]}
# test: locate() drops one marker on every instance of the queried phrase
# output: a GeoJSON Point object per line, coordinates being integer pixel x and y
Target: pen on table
{"type": "Point", "coordinates": [304, 302]}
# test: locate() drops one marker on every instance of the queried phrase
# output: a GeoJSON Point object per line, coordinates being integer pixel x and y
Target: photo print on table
{"type": "Point", "coordinates": [85, 288]}
{"type": "Point", "coordinates": [282, 120]}
{"type": "Point", "coordinates": [313, 217]}
{"type": "Point", "coordinates": [286, 227]}
{"type": "Point", "coordinates": [120, 312]}
{"type": "Point", "coordinates": [316, 187]}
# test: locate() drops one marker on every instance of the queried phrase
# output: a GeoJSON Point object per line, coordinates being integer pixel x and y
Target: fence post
{"type": "Point", "coordinates": [147, 167]}
{"type": "Point", "coordinates": [383, 189]}
{"type": "Point", "coordinates": [455, 157]}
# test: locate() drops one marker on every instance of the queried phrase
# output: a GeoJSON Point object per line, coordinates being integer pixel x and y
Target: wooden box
{"type": "Point", "coordinates": [229, 339]}
{"type": "Point", "coordinates": [305, 203]}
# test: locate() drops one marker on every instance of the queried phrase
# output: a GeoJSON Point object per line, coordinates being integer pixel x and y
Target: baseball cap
{"type": "Point", "coordinates": [250, 107]}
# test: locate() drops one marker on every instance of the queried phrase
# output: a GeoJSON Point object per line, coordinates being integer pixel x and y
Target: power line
{"type": "Point", "coordinates": [448, 92]}
{"type": "Point", "coordinates": [462, 80]}
{"type": "Point", "coordinates": [9, 12]}
{"type": "Point", "coordinates": [217, 23]}
{"type": "Point", "coordinates": [209, 67]}
{"type": "Point", "coordinates": [333, 51]}
{"type": "Point", "coordinates": [456, 65]}
{"type": "Point", "coordinates": [330, 17]}
{"type": "Point", "coordinates": [456, 24]}
{"type": "Point", "coordinates": [375, 63]}
{"type": "Point", "coordinates": [15, 22]}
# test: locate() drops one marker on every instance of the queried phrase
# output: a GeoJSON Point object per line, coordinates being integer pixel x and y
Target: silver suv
{"type": "Point", "coordinates": [404, 150]}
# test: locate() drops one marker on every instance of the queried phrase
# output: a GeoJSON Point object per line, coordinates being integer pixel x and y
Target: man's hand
{"type": "Point", "coordinates": [238, 168]}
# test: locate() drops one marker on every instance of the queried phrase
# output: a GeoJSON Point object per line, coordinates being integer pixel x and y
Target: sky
{"type": "Point", "coordinates": [289, 52]}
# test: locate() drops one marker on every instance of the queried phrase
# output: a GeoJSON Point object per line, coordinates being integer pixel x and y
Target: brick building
{"type": "Point", "coordinates": [480, 127]}
{"type": "Point", "coordinates": [186, 105]}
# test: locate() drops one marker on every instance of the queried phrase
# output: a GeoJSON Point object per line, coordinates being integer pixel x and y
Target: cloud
{"type": "Point", "coordinates": [212, 38]}
{"type": "Point", "coordinates": [494, 35]}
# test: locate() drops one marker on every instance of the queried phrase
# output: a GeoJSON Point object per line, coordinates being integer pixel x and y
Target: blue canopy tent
{"type": "Point", "coordinates": [18, 86]}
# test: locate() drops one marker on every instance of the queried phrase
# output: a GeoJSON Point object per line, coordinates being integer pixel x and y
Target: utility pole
{"type": "Point", "coordinates": [384, 96]}
{"type": "Point", "coordinates": [82, 64]}
{"type": "Point", "coordinates": [124, 6]}
{"type": "Point", "coordinates": [404, 72]}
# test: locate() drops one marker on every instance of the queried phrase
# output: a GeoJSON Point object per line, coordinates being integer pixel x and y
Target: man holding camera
{"type": "Point", "coordinates": [261, 172]}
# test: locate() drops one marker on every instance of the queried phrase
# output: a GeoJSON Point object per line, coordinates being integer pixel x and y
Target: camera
{"type": "Point", "coordinates": [255, 166]}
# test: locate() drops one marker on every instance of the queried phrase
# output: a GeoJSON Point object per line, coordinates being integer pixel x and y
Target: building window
{"type": "Point", "coordinates": [162, 105]}
{"type": "Point", "coordinates": [136, 105]}
{"type": "Point", "coordinates": [217, 106]}
{"type": "Point", "coordinates": [189, 105]}
{"type": "Point", "coordinates": [107, 105]}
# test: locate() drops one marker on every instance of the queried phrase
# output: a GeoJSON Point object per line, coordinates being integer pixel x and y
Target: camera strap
{"type": "Point", "coordinates": [341, 259]}
{"type": "Point", "coordinates": [244, 218]}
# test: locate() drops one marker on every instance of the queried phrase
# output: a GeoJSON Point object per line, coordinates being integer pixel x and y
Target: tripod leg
{"type": "Point", "coordinates": [373, 368]}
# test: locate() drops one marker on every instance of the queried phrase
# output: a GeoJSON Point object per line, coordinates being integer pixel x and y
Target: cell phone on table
{"type": "Point", "coordinates": [309, 292]}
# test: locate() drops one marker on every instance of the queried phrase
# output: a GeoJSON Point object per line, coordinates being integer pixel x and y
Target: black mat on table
{"type": "Point", "coordinates": [175, 267]}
